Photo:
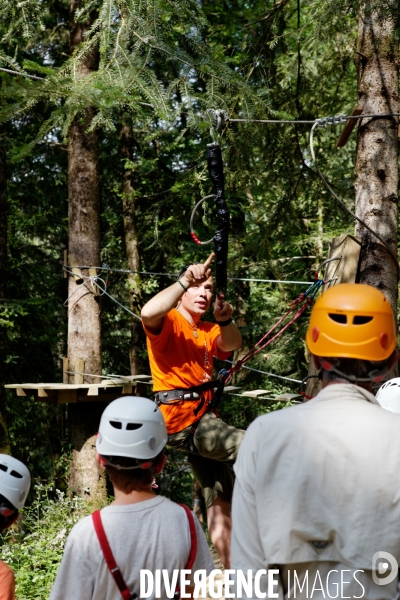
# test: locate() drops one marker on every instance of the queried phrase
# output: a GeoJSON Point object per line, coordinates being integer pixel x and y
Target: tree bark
{"type": "Point", "coordinates": [376, 167]}
{"type": "Point", "coordinates": [4, 439]}
{"type": "Point", "coordinates": [84, 340]}
{"type": "Point", "coordinates": [131, 246]}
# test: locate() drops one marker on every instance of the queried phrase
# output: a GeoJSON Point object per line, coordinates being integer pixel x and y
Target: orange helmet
{"type": "Point", "coordinates": [352, 320]}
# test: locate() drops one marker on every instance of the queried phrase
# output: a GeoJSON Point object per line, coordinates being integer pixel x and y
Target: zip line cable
{"type": "Point", "coordinates": [266, 372]}
{"type": "Point", "coordinates": [174, 275]}
{"type": "Point", "coordinates": [102, 287]}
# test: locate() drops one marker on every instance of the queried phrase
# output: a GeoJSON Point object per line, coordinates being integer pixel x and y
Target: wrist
{"type": "Point", "coordinates": [225, 323]}
{"type": "Point", "coordinates": [184, 280]}
{"type": "Point", "coordinates": [183, 286]}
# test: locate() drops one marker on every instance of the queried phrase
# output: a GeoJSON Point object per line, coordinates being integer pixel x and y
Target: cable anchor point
{"type": "Point", "coordinates": [219, 118]}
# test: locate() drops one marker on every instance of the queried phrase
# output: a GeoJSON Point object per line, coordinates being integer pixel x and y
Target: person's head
{"type": "Point", "coordinates": [15, 482]}
{"type": "Point", "coordinates": [388, 395]}
{"type": "Point", "coordinates": [130, 443]}
{"type": "Point", "coordinates": [198, 297]}
{"type": "Point", "coordinates": [352, 334]}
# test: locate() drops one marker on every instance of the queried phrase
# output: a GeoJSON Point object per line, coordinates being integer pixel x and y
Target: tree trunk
{"type": "Point", "coordinates": [84, 342]}
{"type": "Point", "coordinates": [131, 245]}
{"type": "Point", "coordinates": [4, 439]}
{"type": "Point", "coordinates": [376, 167]}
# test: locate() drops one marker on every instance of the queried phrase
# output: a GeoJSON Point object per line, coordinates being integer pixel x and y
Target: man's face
{"type": "Point", "coordinates": [198, 297]}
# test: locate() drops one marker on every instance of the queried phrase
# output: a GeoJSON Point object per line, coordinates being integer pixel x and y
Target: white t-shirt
{"type": "Point", "coordinates": [318, 487]}
{"type": "Point", "coordinates": [153, 534]}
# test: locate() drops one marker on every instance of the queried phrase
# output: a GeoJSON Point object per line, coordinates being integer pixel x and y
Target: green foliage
{"type": "Point", "coordinates": [162, 65]}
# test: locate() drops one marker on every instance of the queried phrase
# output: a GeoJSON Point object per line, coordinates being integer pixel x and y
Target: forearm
{"type": "Point", "coordinates": [230, 338]}
{"type": "Point", "coordinates": [155, 310]}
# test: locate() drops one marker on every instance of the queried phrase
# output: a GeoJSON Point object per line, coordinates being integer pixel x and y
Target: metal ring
{"type": "Point", "coordinates": [191, 221]}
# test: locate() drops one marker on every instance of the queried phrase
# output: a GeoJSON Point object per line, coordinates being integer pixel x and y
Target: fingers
{"type": "Point", "coordinates": [222, 309]}
{"type": "Point", "coordinates": [209, 260]}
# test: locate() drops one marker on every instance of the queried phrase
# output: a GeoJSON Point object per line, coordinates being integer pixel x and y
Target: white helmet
{"type": "Point", "coordinates": [388, 395]}
{"type": "Point", "coordinates": [132, 427]}
{"type": "Point", "coordinates": [15, 480]}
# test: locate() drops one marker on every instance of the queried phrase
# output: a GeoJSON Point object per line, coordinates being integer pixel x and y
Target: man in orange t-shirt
{"type": "Point", "coordinates": [181, 349]}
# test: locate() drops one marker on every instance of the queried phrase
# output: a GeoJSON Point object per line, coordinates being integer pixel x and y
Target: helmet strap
{"type": "Point", "coordinates": [376, 375]}
{"type": "Point", "coordinates": [143, 465]}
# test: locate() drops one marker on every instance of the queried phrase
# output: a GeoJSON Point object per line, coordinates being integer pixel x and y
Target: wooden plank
{"type": "Point", "coordinates": [255, 393]}
{"type": "Point", "coordinates": [65, 362]}
{"type": "Point", "coordinates": [20, 392]}
{"type": "Point", "coordinates": [93, 390]}
{"type": "Point", "coordinates": [67, 396]}
{"type": "Point", "coordinates": [346, 248]}
{"type": "Point", "coordinates": [127, 389]}
{"type": "Point", "coordinates": [46, 395]}
{"type": "Point", "coordinates": [79, 369]}
{"type": "Point", "coordinates": [288, 397]}
{"type": "Point", "coordinates": [231, 388]}
{"type": "Point", "coordinates": [348, 128]}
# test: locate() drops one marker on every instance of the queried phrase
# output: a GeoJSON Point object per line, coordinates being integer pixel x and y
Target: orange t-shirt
{"type": "Point", "coordinates": [7, 582]}
{"type": "Point", "coordinates": [178, 360]}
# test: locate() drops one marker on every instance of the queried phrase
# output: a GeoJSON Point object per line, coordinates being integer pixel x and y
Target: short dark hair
{"type": "Point", "coordinates": [353, 369]}
{"type": "Point", "coordinates": [129, 480]}
{"type": "Point", "coordinates": [184, 269]}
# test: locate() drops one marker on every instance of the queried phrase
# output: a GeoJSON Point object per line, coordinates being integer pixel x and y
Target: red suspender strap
{"type": "Point", "coordinates": [109, 557]}
{"type": "Point", "coordinates": [193, 537]}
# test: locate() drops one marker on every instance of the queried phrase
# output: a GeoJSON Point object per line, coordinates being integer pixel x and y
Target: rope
{"type": "Point", "coordinates": [266, 373]}
{"type": "Point", "coordinates": [321, 122]}
{"type": "Point", "coordinates": [192, 233]}
{"type": "Point", "coordinates": [301, 304]}
{"type": "Point", "coordinates": [94, 281]}
{"type": "Point", "coordinates": [339, 200]}
{"type": "Point", "coordinates": [174, 275]}
{"type": "Point", "coordinates": [103, 376]}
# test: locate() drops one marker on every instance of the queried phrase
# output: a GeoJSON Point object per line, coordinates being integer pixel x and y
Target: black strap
{"type": "Point", "coordinates": [216, 172]}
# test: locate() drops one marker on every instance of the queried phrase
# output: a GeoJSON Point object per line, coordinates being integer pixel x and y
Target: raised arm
{"type": "Point", "coordinates": [230, 337]}
{"type": "Point", "coordinates": [155, 310]}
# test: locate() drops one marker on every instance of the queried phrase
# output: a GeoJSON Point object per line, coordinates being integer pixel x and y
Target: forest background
{"type": "Point", "coordinates": [159, 66]}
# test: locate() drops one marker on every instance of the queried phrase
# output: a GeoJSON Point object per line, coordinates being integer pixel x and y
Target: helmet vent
{"type": "Point", "coordinates": [133, 426]}
{"type": "Point", "coordinates": [116, 424]}
{"type": "Point", "coordinates": [338, 318]}
{"type": "Point", "coordinates": [361, 320]}
{"type": "Point", "coordinates": [3, 468]}
{"type": "Point", "coordinates": [16, 474]}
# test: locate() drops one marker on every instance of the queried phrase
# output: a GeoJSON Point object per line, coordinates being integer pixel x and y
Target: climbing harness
{"type": "Point", "coordinates": [216, 172]}
{"type": "Point", "coordinates": [112, 565]}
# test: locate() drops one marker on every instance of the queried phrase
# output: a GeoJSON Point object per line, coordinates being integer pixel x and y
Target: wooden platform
{"type": "Point", "coordinates": [111, 389]}
{"type": "Point", "coordinates": [64, 393]}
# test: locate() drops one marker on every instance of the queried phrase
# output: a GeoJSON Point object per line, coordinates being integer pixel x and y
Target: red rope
{"type": "Point", "coordinates": [259, 346]}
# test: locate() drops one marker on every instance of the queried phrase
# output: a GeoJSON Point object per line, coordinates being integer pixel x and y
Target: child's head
{"type": "Point", "coordinates": [15, 482]}
{"type": "Point", "coordinates": [126, 475]}
{"type": "Point", "coordinates": [130, 444]}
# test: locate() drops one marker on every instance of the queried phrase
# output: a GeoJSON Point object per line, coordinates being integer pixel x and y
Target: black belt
{"type": "Point", "coordinates": [171, 396]}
